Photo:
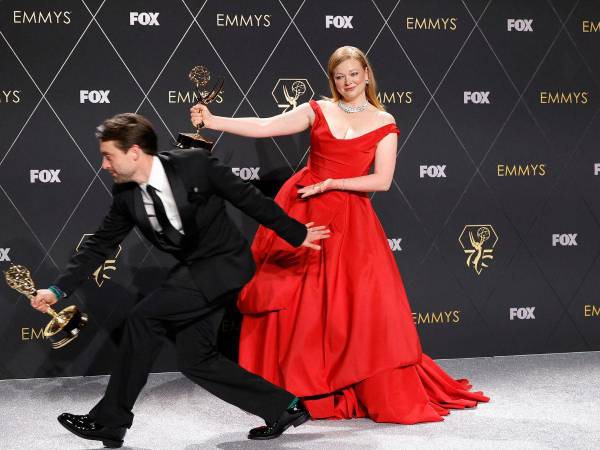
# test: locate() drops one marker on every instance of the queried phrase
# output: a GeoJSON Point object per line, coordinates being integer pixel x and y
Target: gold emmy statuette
{"type": "Point", "coordinates": [200, 76]}
{"type": "Point", "coordinates": [65, 325]}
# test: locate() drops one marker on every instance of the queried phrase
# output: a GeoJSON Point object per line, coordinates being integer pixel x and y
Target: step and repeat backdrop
{"type": "Point", "coordinates": [494, 213]}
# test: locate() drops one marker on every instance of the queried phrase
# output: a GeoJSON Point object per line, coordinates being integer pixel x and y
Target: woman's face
{"type": "Point", "coordinates": [350, 79]}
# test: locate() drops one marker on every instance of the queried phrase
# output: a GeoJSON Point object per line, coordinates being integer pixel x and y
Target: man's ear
{"type": "Point", "coordinates": [136, 152]}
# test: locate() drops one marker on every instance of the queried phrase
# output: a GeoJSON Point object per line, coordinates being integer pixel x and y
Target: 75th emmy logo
{"type": "Point", "coordinates": [200, 76]}
{"type": "Point", "coordinates": [478, 242]}
{"type": "Point", "coordinates": [289, 91]}
{"type": "Point", "coordinates": [65, 325]}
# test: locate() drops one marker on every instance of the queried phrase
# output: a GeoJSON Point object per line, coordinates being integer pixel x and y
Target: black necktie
{"type": "Point", "coordinates": [172, 235]}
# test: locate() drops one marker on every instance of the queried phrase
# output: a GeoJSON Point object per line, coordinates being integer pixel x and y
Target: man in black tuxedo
{"type": "Point", "coordinates": [176, 199]}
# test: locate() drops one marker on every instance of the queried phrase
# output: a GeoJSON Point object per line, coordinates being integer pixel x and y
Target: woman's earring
{"type": "Point", "coordinates": [367, 82]}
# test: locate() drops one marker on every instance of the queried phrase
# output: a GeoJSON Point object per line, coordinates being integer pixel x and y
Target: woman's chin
{"type": "Point", "coordinates": [349, 97]}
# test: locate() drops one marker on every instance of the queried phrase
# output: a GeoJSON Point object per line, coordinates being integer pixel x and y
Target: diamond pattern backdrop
{"type": "Point", "coordinates": [493, 216]}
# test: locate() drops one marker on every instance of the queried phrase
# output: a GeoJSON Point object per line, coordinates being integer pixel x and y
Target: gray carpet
{"type": "Point", "coordinates": [538, 401]}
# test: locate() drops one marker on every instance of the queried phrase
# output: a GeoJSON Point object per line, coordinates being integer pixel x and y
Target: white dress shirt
{"type": "Point", "coordinates": [159, 181]}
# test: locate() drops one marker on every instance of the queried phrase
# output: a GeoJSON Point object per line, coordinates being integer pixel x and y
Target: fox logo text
{"type": "Point", "coordinates": [565, 240]}
{"type": "Point", "coordinates": [478, 98]}
{"type": "Point", "coordinates": [338, 21]}
{"type": "Point", "coordinates": [395, 244]}
{"type": "Point", "coordinates": [144, 18]}
{"type": "Point", "coordinates": [432, 171]}
{"type": "Point", "coordinates": [45, 175]}
{"type": "Point", "coordinates": [519, 25]}
{"type": "Point", "coordinates": [4, 254]}
{"type": "Point", "coordinates": [246, 173]}
{"type": "Point", "coordinates": [525, 313]}
{"type": "Point", "coordinates": [94, 96]}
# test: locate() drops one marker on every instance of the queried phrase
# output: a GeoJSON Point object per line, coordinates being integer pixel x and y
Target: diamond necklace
{"type": "Point", "coordinates": [348, 108]}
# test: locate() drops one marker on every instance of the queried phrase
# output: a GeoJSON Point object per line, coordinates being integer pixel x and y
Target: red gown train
{"type": "Point", "coordinates": [334, 327]}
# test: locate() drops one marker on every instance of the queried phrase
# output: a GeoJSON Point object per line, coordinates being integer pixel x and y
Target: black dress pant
{"type": "Point", "coordinates": [179, 311]}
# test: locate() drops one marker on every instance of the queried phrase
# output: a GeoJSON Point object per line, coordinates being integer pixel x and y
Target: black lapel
{"type": "Point", "coordinates": [180, 194]}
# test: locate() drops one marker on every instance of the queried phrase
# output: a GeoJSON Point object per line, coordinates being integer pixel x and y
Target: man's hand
{"type": "Point", "coordinates": [315, 234]}
{"type": "Point", "coordinates": [43, 299]}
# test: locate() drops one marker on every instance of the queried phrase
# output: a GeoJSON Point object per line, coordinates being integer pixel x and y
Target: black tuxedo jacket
{"type": "Point", "coordinates": [217, 254]}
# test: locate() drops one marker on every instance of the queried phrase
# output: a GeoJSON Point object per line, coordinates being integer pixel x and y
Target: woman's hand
{"type": "Point", "coordinates": [318, 188]}
{"type": "Point", "coordinates": [200, 115]}
{"type": "Point", "coordinates": [315, 234]}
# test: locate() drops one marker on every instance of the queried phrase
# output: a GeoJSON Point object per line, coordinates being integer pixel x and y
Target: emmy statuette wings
{"type": "Point", "coordinates": [65, 325]}
{"type": "Point", "coordinates": [200, 76]}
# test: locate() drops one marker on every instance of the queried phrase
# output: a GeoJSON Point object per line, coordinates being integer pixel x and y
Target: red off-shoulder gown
{"type": "Point", "coordinates": [334, 327]}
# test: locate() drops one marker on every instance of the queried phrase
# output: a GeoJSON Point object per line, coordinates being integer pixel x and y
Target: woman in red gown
{"type": "Point", "coordinates": [335, 326]}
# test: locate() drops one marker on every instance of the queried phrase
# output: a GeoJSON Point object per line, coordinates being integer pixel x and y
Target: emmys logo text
{"type": "Point", "coordinates": [144, 18]}
{"type": "Point", "coordinates": [94, 96]}
{"type": "Point", "coordinates": [401, 97]}
{"type": "Point", "coordinates": [478, 98]}
{"type": "Point", "coordinates": [525, 313]}
{"type": "Point", "coordinates": [338, 21]}
{"type": "Point", "coordinates": [32, 334]}
{"type": "Point", "coordinates": [4, 254]}
{"type": "Point", "coordinates": [564, 240]}
{"type": "Point", "coordinates": [587, 26]}
{"type": "Point", "coordinates": [44, 175]}
{"type": "Point", "coordinates": [519, 25]}
{"type": "Point", "coordinates": [432, 171]}
{"type": "Point", "coordinates": [438, 24]}
{"type": "Point", "coordinates": [591, 310]}
{"type": "Point", "coordinates": [246, 173]}
{"type": "Point", "coordinates": [10, 96]}
{"type": "Point", "coordinates": [564, 98]}
{"type": "Point", "coordinates": [42, 17]}
{"type": "Point", "coordinates": [519, 170]}
{"type": "Point", "coordinates": [244, 20]}
{"type": "Point", "coordinates": [441, 317]}
{"type": "Point", "coordinates": [394, 244]}
{"type": "Point", "coordinates": [191, 97]}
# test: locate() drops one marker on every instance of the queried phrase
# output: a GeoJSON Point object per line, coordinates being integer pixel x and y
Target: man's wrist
{"type": "Point", "coordinates": [57, 292]}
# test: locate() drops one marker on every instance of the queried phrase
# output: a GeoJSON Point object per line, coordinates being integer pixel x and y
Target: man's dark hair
{"type": "Point", "coordinates": [128, 129]}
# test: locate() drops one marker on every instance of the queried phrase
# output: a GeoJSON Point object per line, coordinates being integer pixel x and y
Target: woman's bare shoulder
{"type": "Point", "coordinates": [324, 103]}
{"type": "Point", "coordinates": [385, 118]}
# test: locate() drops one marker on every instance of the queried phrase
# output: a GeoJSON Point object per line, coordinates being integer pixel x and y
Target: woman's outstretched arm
{"type": "Point", "coordinates": [294, 121]}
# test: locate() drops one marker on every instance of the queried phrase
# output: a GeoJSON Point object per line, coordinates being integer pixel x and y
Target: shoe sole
{"type": "Point", "coordinates": [296, 423]}
{"type": "Point", "coordinates": [108, 443]}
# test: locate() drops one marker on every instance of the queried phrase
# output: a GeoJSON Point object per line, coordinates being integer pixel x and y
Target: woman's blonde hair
{"type": "Point", "coordinates": [343, 54]}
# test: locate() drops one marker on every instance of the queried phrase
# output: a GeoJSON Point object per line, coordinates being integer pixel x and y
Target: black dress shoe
{"type": "Point", "coordinates": [295, 416]}
{"type": "Point", "coordinates": [86, 428]}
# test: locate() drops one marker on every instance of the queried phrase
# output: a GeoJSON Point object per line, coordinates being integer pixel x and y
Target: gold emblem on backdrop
{"type": "Point", "coordinates": [102, 273]}
{"type": "Point", "coordinates": [289, 92]}
{"type": "Point", "coordinates": [478, 243]}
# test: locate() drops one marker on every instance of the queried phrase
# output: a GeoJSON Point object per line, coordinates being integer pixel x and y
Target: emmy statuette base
{"type": "Point", "coordinates": [193, 140]}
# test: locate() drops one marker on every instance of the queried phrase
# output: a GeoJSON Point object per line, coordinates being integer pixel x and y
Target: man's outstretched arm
{"type": "Point", "coordinates": [263, 209]}
{"type": "Point", "coordinates": [115, 226]}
